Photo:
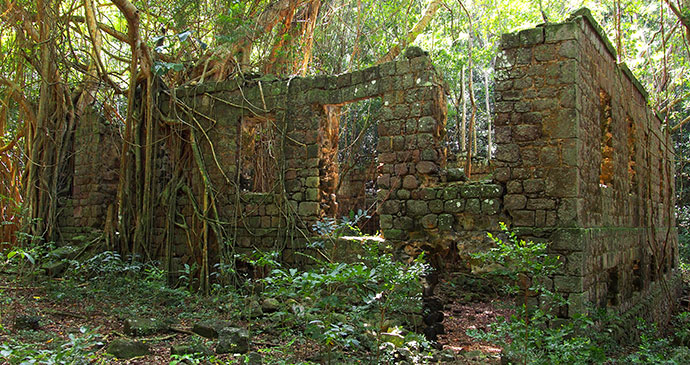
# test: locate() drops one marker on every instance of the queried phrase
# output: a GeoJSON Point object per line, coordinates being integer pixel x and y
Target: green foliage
{"type": "Point", "coordinates": [79, 349]}
{"type": "Point", "coordinates": [340, 302]}
{"type": "Point", "coordinates": [533, 334]}
{"type": "Point", "coordinates": [653, 348]}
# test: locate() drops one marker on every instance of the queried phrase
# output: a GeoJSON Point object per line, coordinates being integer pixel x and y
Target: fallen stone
{"type": "Point", "coordinates": [233, 340]}
{"type": "Point", "coordinates": [255, 309]}
{"type": "Point", "coordinates": [127, 349]}
{"type": "Point", "coordinates": [455, 174]}
{"type": "Point", "coordinates": [254, 358]}
{"type": "Point", "coordinates": [144, 326]}
{"type": "Point", "coordinates": [270, 305]}
{"type": "Point", "coordinates": [62, 253]}
{"type": "Point", "coordinates": [54, 268]}
{"type": "Point", "coordinates": [26, 322]}
{"type": "Point", "coordinates": [413, 52]}
{"type": "Point", "coordinates": [210, 329]}
{"type": "Point", "coordinates": [190, 349]}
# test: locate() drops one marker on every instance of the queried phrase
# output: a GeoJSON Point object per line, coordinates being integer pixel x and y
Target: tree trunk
{"type": "Point", "coordinates": [488, 116]}
{"type": "Point", "coordinates": [418, 28]}
{"type": "Point", "coordinates": [464, 111]}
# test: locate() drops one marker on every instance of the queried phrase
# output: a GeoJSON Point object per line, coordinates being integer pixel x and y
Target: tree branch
{"type": "Point", "coordinates": [428, 15]}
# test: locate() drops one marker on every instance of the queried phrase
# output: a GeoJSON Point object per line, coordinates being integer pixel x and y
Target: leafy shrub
{"type": "Point", "coordinates": [79, 349]}
{"type": "Point", "coordinates": [531, 334]}
{"type": "Point", "coordinates": [339, 302]}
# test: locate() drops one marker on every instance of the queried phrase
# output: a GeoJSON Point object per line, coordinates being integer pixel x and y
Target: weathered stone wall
{"type": "Point", "coordinates": [285, 127]}
{"type": "Point", "coordinates": [92, 191]}
{"type": "Point", "coordinates": [584, 157]}
{"type": "Point", "coordinates": [580, 162]}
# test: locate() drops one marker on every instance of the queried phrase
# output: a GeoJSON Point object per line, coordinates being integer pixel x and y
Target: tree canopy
{"type": "Point", "coordinates": [59, 58]}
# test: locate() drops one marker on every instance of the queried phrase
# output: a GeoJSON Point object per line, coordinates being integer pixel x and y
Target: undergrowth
{"type": "Point", "coordinates": [365, 307]}
{"type": "Point", "coordinates": [534, 334]}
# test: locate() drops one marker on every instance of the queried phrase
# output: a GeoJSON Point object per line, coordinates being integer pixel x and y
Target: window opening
{"type": "Point", "coordinates": [348, 167]}
{"type": "Point", "coordinates": [632, 153]}
{"type": "Point", "coordinates": [258, 165]}
{"type": "Point", "coordinates": [613, 288]}
{"type": "Point", "coordinates": [606, 168]}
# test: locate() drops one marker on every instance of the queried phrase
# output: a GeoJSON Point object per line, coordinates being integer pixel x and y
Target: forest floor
{"type": "Point", "coordinates": [68, 309]}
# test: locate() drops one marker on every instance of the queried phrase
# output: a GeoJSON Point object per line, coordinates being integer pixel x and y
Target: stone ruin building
{"type": "Point", "coordinates": [581, 161]}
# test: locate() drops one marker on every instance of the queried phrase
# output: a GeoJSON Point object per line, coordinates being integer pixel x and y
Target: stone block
{"type": "Point", "coordinates": [491, 191]}
{"type": "Point", "coordinates": [575, 263]}
{"type": "Point", "coordinates": [548, 156]}
{"type": "Point", "coordinates": [386, 221]}
{"type": "Point", "coordinates": [562, 182]}
{"type": "Point", "coordinates": [398, 143]}
{"type": "Point", "coordinates": [429, 155]}
{"type": "Point", "coordinates": [510, 40]}
{"type": "Point", "coordinates": [531, 117]}
{"type": "Point", "coordinates": [387, 69]}
{"type": "Point", "coordinates": [531, 36]}
{"type": "Point", "coordinates": [577, 303]}
{"type": "Point", "coordinates": [233, 340]}
{"type": "Point", "coordinates": [508, 153]}
{"type": "Point", "coordinates": [410, 142]}
{"type": "Point", "coordinates": [502, 174]}
{"type": "Point", "coordinates": [417, 208]}
{"type": "Point", "coordinates": [394, 234]}
{"type": "Point", "coordinates": [568, 284]}
{"type": "Point", "coordinates": [503, 134]}
{"type": "Point", "coordinates": [569, 152]}
{"type": "Point", "coordinates": [544, 52]}
{"type": "Point", "coordinates": [454, 206]}
{"type": "Point", "coordinates": [426, 167]}
{"type": "Point", "coordinates": [127, 349]}
{"type": "Point", "coordinates": [403, 194]}
{"type": "Point", "coordinates": [410, 182]}
{"type": "Point", "coordinates": [569, 239]}
{"type": "Point", "coordinates": [570, 49]}
{"type": "Point", "coordinates": [427, 124]}
{"type": "Point", "coordinates": [312, 181]}
{"type": "Point", "coordinates": [436, 206]}
{"type": "Point", "coordinates": [514, 187]}
{"type": "Point", "coordinates": [541, 203]}
{"type": "Point", "coordinates": [425, 140]}
{"type": "Point", "coordinates": [445, 222]}
{"type": "Point", "coordinates": [470, 191]}
{"type": "Point", "coordinates": [473, 206]}
{"type": "Point", "coordinates": [532, 186]}
{"type": "Point", "coordinates": [309, 209]}
{"type": "Point", "coordinates": [523, 106]}
{"type": "Point", "coordinates": [523, 218]}
{"type": "Point", "coordinates": [429, 221]}
{"type": "Point", "coordinates": [566, 124]}
{"type": "Point", "coordinates": [312, 194]}
{"type": "Point", "coordinates": [523, 56]}
{"type": "Point", "coordinates": [559, 32]}
{"type": "Point", "coordinates": [404, 223]}
{"type": "Point", "coordinates": [490, 206]}
{"type": "Point", "coordinates": [569, 72]}
{"type": "Point", "coordinates": [514, 201]}
{"type": "Point", "coordinates": [526, 132]}
{"type": "Point", "coordinates": [390, 207]}
{"type": "Point", "coordinates": [428, 194]}
{"type": "Point", "coordinates": [402, 67]}
{"type": "Point", "coordinates": [210, 328]}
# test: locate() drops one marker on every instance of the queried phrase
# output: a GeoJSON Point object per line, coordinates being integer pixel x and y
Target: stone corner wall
{"type": "Point", "coordinates": [575, 136]}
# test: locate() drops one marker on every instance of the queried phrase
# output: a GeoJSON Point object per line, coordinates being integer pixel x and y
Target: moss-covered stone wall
{"type": "Point", "coordinates": [578, 144]}
{"type": "Point", "coordinates": [580, 161]}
